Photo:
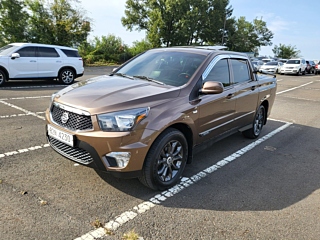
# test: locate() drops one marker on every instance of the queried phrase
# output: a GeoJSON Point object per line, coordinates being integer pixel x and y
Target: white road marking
{"type": "Point", "coordinates": [30, 87]}
{"type": "Point", "coordinates": [23, 98]}
{"type": "Point", "coordinates": [185, 182]}
{"type": "Point", "coordinates": [291, 89]}
{"type": "Point", "coordinates": [19, 115]}
{"type": "Point", "coordinates": [7, 154]}
{"type": "Point", "coordinates": [23, 110]}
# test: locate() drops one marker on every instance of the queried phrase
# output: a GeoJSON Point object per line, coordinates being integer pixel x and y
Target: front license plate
{"type": "Point", "coordinates": [60, 135]}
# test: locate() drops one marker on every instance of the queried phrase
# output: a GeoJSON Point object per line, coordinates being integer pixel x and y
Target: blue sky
{"type": "Point", "coordinates": [293, 22]}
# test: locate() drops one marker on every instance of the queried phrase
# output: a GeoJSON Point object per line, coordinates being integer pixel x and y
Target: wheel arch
{"type": "Point", "coordinates": [5, 72]}
{"type": "Point", "coordinates": [265, 104]}
{"type": "Point", "coordinates": [67, 67]}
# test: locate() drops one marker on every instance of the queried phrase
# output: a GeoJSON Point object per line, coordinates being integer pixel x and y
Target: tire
{"type": "Point", "coordinates": [298, 73]}
{"type": "Point", "coordinates": [3, 78]}
{"type": "Point", "coordinates": [66, 76]}
{"type": "Point", "coordinates": [257, 124]}
{"type": "Point", "coordinates": [165, 160]}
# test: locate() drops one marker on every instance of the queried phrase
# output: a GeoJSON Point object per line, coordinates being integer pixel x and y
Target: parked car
{"type": "Point", "coordinates": [311, 66]}
{"type": "Point", "coordinates": [317, 67]}
{"type": "Point", "coordinates": [23, 61]}
{"type": "Point", "coordinates": [271, 67]}
{"type": "Point", "coordinates": [257, 63]}
{"type": "Point", "coordinates": [265, 60]}
{"type": "Point", "coordinates": [150, 115]}
{"type": "Point", "coordinates": [294, 66]}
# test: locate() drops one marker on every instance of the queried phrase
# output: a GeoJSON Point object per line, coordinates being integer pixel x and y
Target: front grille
{"type": "Point", "coordinates": [75, 121]}
{"type": "Point", "coordinates": [74, 153]}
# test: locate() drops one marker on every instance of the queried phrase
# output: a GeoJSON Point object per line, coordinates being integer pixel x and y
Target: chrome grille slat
{"type": "Point", "coordinates": [74, 153]}
{"type": "Point", "coordinates": [75, 122]}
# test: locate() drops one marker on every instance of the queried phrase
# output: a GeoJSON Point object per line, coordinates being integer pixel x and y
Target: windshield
{"type": "Point", "coordinates": [7, 49]}
{"type": "Point", "coordinates": [272, 63]}
{"type": "Point", "coordinates": [293, 62]}
{"type": "Point", "coordinates": [169, 67]}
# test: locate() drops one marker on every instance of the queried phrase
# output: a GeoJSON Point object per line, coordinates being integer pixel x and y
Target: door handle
{"type": "Point", "coordinates": [253, 88]}
{"type": "Point", "coordinates": [33, 61]}
{"type": "Point", "coordinates": [229, 96]}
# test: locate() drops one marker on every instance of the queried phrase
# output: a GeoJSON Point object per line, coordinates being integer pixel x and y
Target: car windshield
{"type": "Point", "coordinates": [272, 63]}
{"type": "Point", "coordinates": [168, 67]}
{"type": "Point", "coordinates": [293, 62]}
{"type": "Point", "coordinates": [6, 49]}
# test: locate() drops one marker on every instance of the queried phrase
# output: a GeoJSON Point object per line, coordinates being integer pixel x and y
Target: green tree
{"type": "Point", "coordinates": [285, 51]}
{"type": "Point", "coordinates": [60, 22]}
{"type": "Point", "coordinates": [249, 37]}
{"type": "Point", "coordinates": [13, 21]}
{"type": "Point", "coordinates": [107, 49]}
{"type": "Point", "coordinates": [178, 22]}
{"type": "Point", "coordinates": [139, 47]}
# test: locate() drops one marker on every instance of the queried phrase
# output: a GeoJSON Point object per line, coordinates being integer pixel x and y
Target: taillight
{"type": "Point", "coordinates": [316, 66]}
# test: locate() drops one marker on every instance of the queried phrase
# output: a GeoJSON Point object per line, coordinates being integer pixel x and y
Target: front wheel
{"type": "Point", "coordinates": [257, 124]}
{"type": "Point", "coordinates": [66, 76]}
{"type": "Point", "coordinates": [3, 78]}
{"type": "Point", "coordinates": [165, 160]}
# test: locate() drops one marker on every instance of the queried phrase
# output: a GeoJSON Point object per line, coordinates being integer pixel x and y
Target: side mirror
{"type": "Point", "coordinates": [211, 87]}
{"type": "Point", "coordinates": [15, 55]}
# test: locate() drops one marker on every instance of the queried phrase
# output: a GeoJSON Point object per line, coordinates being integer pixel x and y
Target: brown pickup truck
{"type": "Point", "coordinates": [149, 116]}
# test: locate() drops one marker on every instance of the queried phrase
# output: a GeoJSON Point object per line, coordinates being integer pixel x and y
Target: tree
{"type": "Point", "coordinates": [249, 37]}
{"type": "Point", "coordinates": [105, 50]}
{"type": "Point", "coordinates": [139, 47]}
{"type": "Point", "coordinates": [285, 51]}
{"type": "Point", "coordinates": [178, 22]}
{"type": "Point", "coordinates": [13, 21]}
{"type": "Point", "coordinates": [57, 22]}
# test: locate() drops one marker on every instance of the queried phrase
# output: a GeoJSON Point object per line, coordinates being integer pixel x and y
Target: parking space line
{"type": "Point", "coordinates": [30, 87]}
{"type": "Point", "coordinates": [22, 109]}
{"type": "Point", "coordinates": [185, 183]}
{"type": "Point", "coordinates": [19, 115]}
{"type": "Point", "coordinates": [7, 154]}
{"type": "Point", "coordinates": [291, 89]}
{"type": "Point", "coordinates": [23, 98]}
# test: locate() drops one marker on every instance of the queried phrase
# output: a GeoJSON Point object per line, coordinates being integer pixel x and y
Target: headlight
{"type": "Point", "coordinates": [53, 96]}
{"type": "Point", "coordinates": [122, 121]}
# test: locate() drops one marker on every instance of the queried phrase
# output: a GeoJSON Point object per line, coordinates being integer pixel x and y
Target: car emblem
{"type": "Point", "coordinates": [65, 117]}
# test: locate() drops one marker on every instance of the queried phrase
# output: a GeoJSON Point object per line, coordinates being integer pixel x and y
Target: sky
{"type": "Point", "coordinates": [292, 22]}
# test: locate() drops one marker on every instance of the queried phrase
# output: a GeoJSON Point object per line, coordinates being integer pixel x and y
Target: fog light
{"type": "Point", "coordinates": [122, 158]}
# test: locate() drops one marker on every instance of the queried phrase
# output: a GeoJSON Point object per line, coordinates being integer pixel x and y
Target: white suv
{"type": "Point", "coordinates": [39, 61]}
{"type": "Point", "coordinates": [294, 66]}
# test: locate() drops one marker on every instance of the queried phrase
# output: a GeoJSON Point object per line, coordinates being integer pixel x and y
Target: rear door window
{"type": "Point", "coordinates": [47, 52]}
{"type": "Point", "coordinates": [241, 71]}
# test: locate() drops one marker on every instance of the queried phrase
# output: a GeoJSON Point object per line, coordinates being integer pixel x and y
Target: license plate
{"type": "Point", "coordinates": [60, 135]}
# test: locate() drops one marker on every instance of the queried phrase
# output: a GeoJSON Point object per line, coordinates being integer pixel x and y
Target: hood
{"type": "Point", "coordinates": [112, 93]}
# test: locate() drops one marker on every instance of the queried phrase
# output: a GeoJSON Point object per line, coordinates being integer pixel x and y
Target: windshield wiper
{"type": "Point", "coordinates": [148, 79]}
{"type": "Point", "coordinates": [121, 75]}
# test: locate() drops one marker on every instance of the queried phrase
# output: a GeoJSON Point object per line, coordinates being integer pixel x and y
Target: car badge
{"type": "Point", "coordinates": [65, 117]}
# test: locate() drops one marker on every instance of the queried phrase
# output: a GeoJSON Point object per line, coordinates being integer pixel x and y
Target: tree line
{"type": "Point", "coordinates": [166, 23]}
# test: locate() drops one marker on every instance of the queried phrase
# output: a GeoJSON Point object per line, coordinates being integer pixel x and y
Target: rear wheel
{"type": "Point", "coordinates": [257, 124]}
{"type": "Point", "coordinates": [66, 76]}
{"type": "Point", "coordinates": [165, 160]}
{"type": "Point", "coordinates": [3, 78]}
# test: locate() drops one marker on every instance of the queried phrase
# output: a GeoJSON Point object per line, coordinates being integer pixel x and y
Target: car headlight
{"type": "Point", "coordinates": [122, 121]}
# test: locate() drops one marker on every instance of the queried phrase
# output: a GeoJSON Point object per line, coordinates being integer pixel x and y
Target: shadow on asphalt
{"type": "Point", "coordinates": [274, 175]}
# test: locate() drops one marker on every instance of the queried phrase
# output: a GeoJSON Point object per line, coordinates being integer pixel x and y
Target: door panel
{"type": "Point", "coordinates": [49, 62]}
{"type": "Point", "coordinates": [246, 92]}
{"type": "Point", "coordinates": [26, 65]}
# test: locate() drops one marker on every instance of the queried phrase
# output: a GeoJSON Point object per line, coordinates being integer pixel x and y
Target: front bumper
{"type": "Point", "coordinates": [91, 147]}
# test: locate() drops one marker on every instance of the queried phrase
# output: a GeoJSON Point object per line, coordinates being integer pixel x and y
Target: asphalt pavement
{"type": "Point", "coordinates": [267, 188]}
